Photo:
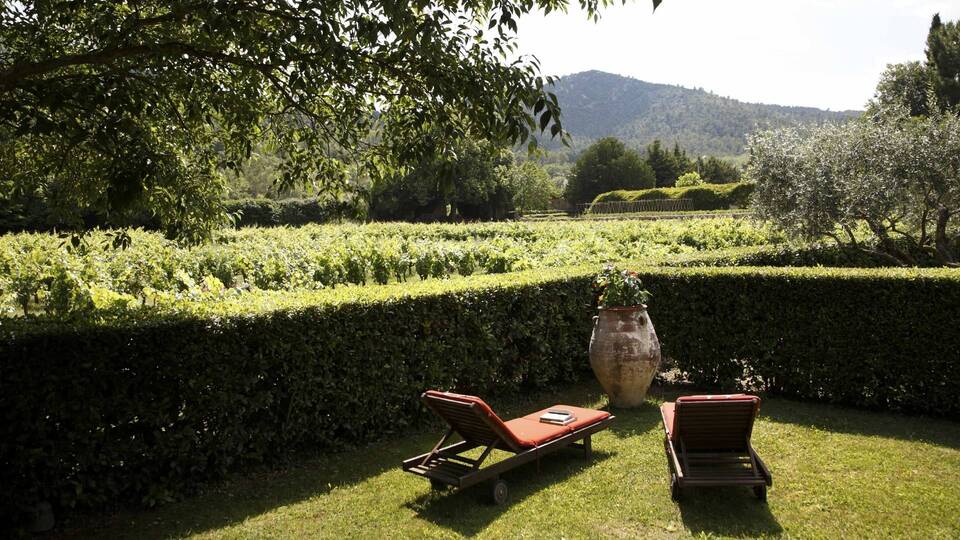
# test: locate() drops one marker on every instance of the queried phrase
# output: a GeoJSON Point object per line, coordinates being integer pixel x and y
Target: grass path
{"type": "Point", "coordinates": [837, 473]}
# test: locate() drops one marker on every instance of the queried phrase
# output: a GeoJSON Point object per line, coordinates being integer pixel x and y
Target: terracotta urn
{"type": "Point", "coordinates": [624, 354]}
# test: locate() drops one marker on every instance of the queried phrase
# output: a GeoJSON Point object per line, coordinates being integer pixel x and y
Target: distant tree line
{"type": "Point", "coordinates": [608, 165]}
{"type": "Point", "coordinates": [478, 180]}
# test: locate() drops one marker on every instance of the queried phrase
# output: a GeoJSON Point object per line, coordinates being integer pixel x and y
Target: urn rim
{"type": "Point", "coordinates": [638, 307]}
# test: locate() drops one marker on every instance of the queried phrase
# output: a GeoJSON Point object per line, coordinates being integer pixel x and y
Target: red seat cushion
{"type": "Point", "coordinates": [719, 397]}
{"type": "Point", "coordinates": [531, 431]}
{"type": "Point", "coordinates": [584, 417]}
{"type": "Point", "coordinates": [534, 432]}
{"type": "Point", "coordinates": [666, 411]}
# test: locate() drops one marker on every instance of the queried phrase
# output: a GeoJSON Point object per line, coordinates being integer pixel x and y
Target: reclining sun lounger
{"type": "Point", "coordinates": [707, 441]}
{"type": "Point", "coordinates": [527, 437]}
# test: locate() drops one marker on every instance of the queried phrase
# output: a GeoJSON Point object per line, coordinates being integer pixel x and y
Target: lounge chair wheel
{"type": "Point", "coordinates": [499, 492]}
{"type": "Point", "coordinates": [760, 492]}
{"type": "Point", "coordinates": [437, 485]}
{"type": "Point", "coordinates": [674, 487]}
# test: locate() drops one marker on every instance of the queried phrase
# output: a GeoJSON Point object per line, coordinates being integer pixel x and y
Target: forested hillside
{"type": "Point", "coordinates": [597, 104]}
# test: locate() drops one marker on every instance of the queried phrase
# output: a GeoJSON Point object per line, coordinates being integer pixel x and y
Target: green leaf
{"type": "Point", "coordinates": [545, 119]}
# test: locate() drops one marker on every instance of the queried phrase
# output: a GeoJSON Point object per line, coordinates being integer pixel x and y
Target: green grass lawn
{"type": "Point", "coordinates": [836, 473]}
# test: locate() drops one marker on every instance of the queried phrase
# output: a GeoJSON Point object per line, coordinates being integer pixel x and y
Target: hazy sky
{"type": "Point", "coordinates": [819, 53]}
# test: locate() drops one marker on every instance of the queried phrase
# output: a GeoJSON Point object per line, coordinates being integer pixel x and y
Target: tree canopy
{"type": "Point", "coordinates": [689, 179]}
{"type": "Point", "coordinates": [897, 175]}
{"type": "Point", "coordinates": [124, 106]}
{"type": "Point", "coordinates": [904, 84]}
{"type": "Point", "coordinates": [910, 84]}
{"type": "Point", "coordinates": [468, 183]}
{"type": "Point", "coordinates": [895, 170]}
{"type": "Point", "coordinates": [943, 58]}
{"type": "Point", "coordinates": [666, 165]}
{"type": "Point", "coordinates": [532, 186]}
{"type": "Point", "coordinates": [714, 170]}
{"type": "Point", "coordinates": [604, 166]}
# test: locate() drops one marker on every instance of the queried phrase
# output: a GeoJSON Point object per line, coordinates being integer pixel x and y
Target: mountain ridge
{"type": "Point", "coordinates": [597, 104]}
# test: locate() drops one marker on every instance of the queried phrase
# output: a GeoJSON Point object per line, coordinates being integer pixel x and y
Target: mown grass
{"type": "Point", "coordinates": [837, 473]}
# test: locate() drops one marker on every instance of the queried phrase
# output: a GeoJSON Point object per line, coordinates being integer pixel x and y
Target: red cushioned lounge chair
{"type": "Point", "coordinates": [479, 426]}
{"type": "Point", "coordinates": [707, 441]}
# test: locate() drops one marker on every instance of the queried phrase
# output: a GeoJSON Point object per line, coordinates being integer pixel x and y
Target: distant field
{"type": "Point", "coordinates": [38, 274]}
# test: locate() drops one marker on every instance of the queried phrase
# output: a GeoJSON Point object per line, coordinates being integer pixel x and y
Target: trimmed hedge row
{"type": "Point", "coordinates": [34, 215]}
{"type": "Point", "coordinates": [268, 212]}
{"type": "Point", "coordinates": [144, 410]}
{"type": "Point", "coordinates": [781, 255]}
{"type": "Point", "coordinates": [704, 197]}
{"type": "Point", "coordinates": [874, 338]}
{"type": "Point", "coordinates": [785, 254]}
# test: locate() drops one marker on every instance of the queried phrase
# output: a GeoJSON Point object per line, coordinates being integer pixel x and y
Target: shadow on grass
{"type": "Point", "coordinates": [733, 512]}
{"type": "Point", "coordinates": [840, 419]}
{"type": "Point", "coordinates": [243, 496]}
{"type": "Point", "coordinates": [636, 421]}
{"type": "Point", "coordinates": [446, 508]}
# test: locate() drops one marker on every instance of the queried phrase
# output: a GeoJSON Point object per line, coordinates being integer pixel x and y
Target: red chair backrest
{"type": "Point", "coordinates": [471, 418]}
{"type": "Point", "coordinates": [721, 423]}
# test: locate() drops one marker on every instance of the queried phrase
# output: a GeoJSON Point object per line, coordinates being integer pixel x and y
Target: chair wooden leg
{"type": "Point", "coordinates": [675, 492]}
{"type": "Point", "coordinates": [588, 448]}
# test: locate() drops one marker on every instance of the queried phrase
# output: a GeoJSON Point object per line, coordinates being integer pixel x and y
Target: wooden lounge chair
{"type": "Point", "coordinates": [479, 427]}
{"type": "Point", "coordinates": [707, 441]}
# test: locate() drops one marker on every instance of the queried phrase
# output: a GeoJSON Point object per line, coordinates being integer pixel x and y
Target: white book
{"type": "Point", "coordinates": [557, 416]}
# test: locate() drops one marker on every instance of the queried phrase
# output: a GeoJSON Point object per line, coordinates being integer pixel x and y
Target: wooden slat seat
{"type": "Point", "coordinates": [707, 442]}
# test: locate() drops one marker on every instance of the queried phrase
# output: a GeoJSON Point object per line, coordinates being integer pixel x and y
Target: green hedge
{"type": "Point", "coordinates": [874, 338]}
{"type": "Point", "coordinates": [781, 255]}
{"type": "Point", "coordinates": [799, 255]}
{"type": "Point", "coordinates": [704, 197]}
{"type": "Point", "coordinates": [268, 212]}
{"type": "Point", "coordinates": [34, 215]}
{"type": "Point", "coordinates": [145, 410]}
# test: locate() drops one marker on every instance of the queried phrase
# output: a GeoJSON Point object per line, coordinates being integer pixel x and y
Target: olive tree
{"type": "Point", "coordinates": [895, 176]}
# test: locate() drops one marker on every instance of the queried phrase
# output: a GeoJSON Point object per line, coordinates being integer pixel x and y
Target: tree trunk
{"type": "Point", "coordinates": [888, 246]}
{"type": "Point", "coordinates": [944, 251]}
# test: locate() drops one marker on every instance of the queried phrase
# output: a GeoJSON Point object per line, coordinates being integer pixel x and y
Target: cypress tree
{"type": "Point", "coordinates": [943, 59]}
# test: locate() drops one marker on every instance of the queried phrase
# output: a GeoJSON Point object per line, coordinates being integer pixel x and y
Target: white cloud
{"type": "Point", "coordinates": [819, 53]}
